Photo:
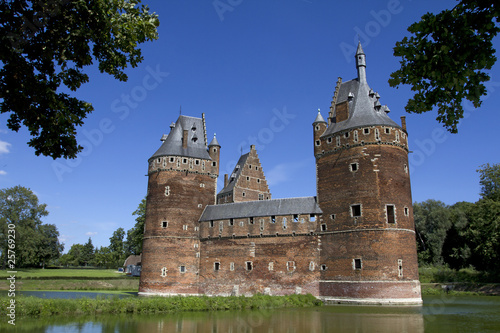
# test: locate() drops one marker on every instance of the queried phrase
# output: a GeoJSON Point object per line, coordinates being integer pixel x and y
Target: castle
{"type": "Point", "coordinates": [353, 242]}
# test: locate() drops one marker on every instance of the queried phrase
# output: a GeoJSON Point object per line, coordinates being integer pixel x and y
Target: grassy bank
{"type": "Point", "coordinates": [440, 274]}
{"type": "Point", "coordinates": [438, 280]}
{"type": "Point", "coordinates": [70, 279]}
{"type": "Point", "coordinates": [35, 307]}
{"type": "Point", "coordinates": [63, 273]}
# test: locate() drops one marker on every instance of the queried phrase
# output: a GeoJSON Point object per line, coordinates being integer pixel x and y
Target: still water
{"type": "Point", "coordinates": [438, 314]}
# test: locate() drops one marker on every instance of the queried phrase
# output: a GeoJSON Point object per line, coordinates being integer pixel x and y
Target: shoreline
{"type": "Point", "coordinates": [461, 288]}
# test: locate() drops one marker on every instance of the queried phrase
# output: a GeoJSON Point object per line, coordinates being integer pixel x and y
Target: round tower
{"type": "Point", "coordinates": [182, 177]}
{"type": "Point", "coordinates": [368, 235]}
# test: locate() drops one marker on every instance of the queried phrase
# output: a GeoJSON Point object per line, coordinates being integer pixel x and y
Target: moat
{"type": "Point", "coordinates": [438, 314]}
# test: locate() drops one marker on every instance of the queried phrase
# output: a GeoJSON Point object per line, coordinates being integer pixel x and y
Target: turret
{"type": "Point", "coordinates": [319, 126]}
{"type": "Point", "coordinates": [214, 152]}
{"type": "Point", "coordinates": [368, 235]}
{"type": "Point", "coordinates": [361, 63]}
{"type": "Point", "coordinates": [182, 177]}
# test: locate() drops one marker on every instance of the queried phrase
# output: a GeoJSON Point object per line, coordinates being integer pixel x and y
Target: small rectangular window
{"type": "Point", "coordinates": [323, 267]}
{"type": "Point", "coordinates": [231, 266]}
{"type": "Point", "coordinates": [290, 266]}
{"type": "Point", "coordinates": [400, 267]}
{"type": "Point", "coordinates": [312, 217]}
{"type": "Point", "coordinates": [323, 227]}
{"type": "Point", "coordinates": [270, 266]}
{"type": "Point", "coordinates": [184, 161]}
{"type": "Point", "coordinates": [318, 142]}
{"type": "Point", "coordinates": [216, 266]}
{"type": "Point", "coordinates": [164, 224]}
{"type": "Point", "coordinates": [296, 218]}
{"type": "Point", "coordinates": [366, 131]}
{"type": "Point", "coordinates": [250, 220]}
{"type": "Point", "coordinates": [407, 211]}
{"type": "Point", "coordinates": [273, 219]}
{"type": "Point", "coordinates": [332, 217]}
{"type": "Point", "coordinates": [182, 269]}
{"type": "Point", "coordinates": [249, 265]}
{"type": "Point", "coordinates": [391, 218]}
{"type": "Point", "coordinates": [214, 164]}
{"type": "Point", "coordinates": [185, 227]}
{"type": "Point", "coordinates": [356, 210]}
{"type": "Point", "coordinates": [231, 221]}
{"type": "Point", "coordinates": [357, 264]}
{"type": "Point", "coordinates": [354, 167]}
{"type": "Point", "coordinates": [211, 224]}
{"type": "Point", "coordinates": [261, 196]}
{"type": "Point", "coordinates": [387, 130]}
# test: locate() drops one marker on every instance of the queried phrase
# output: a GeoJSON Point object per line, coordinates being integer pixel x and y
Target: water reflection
{"type": "Point", "coordinates": [457, 314]}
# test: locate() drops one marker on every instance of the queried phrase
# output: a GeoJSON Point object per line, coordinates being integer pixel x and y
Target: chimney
{"type": "Point", "coordinates": [403, 122]}
{"type": "Point", "coordinates": [185, 139]}
{"type": "Point", "coordinates": [225, 180]}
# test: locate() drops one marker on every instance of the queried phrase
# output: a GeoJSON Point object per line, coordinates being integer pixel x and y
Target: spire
{"type": "Point", "coordinates": [361, 63]}
{"type": "Point", "coordinates": [214, 142]}
{"type": "Point", "coordinates": [319, 118]}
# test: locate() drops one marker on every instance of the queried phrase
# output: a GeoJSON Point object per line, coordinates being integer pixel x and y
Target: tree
{"type": "Point", "coordinates": [456, 247]}
{"type": "Point", "coordinates": [483, 235]}
{"type": "Point", "coordinates": [75, 256]}
{"type": "Point", "coordinates": [44, 47]}
{"type": "Point", "coordinates": [431, 224]}
{"type": "Point", "coordinates": [136, 234]}
{"type": "Point", "coordinates": [103, 257]}
{"type": "Point", "coordinates": [445, 59]}
{"type": "Point", "coordinates": [489, 179]}
{"type": "Point", "coordinates": [20, 208]}
{"type": "Point", "coordinates": [49, 247]}
{"type": "Point", "coordinates": [88, 252]}
{"type": "Point", "coordinates": [116, 246]}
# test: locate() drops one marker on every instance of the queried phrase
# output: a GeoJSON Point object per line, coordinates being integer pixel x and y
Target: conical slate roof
{"type": "Point", "coordinates": [196, 143]}
{"type": "Point", "coordinates": [363, 103]}
{"type": "Point", "coordinates": [319, 118]}
{"type": "Point", "coordinates": [214, 142]}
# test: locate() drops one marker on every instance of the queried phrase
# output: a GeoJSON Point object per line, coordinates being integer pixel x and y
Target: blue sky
{"type": "Point", "coordinates": [259, 70]}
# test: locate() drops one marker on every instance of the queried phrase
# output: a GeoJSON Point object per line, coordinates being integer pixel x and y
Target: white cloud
{"type": "Point", "coordinates": [2, 131]}
{"type": "Point", "coordinates": [91, 233]}
{"type": "Point", "coordinates": [65, 238]}
{"type": "Point", "coordinates": [4, 147]}
{"type": "Point", "coordinates": [3, 173]}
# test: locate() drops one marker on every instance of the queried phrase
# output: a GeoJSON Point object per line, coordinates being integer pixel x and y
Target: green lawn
{"type": "Point", "coordinates": [67, 273]}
